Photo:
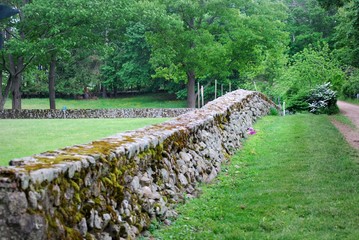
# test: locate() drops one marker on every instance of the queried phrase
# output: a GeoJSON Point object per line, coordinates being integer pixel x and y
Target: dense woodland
{"type": "Point", "coordinates": [88, 48]}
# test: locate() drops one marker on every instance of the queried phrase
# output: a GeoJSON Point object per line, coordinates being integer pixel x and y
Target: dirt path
{"type": "Point", "coordinates": [352, 112]}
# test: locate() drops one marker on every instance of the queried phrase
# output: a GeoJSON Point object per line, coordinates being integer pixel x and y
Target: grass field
{"type": "Point", "coordinates": [20, 138]}
{"type": "Point", "coordinates": [295, 179]}
{"type": "Point", "coordinates": [159, 100]}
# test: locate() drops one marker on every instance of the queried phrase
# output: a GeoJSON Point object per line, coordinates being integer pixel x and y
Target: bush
{"type": "Point", "coordinates": [351, 88]}
{"type": "Point", "coordinates": [298, 101]}
{"type": "Point", "coordinates": [273, 111]}
{"type": "Point", "coordinates": [323, 100]}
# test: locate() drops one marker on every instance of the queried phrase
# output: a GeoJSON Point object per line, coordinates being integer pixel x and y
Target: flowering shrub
{"type": "Point", "coordinates": [251, 131]}
{"type": "Point", "coordinates": [323, 100]}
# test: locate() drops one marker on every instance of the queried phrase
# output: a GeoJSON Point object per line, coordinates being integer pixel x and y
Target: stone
{"type": "Point", "coordinates": [32, 200]}
{"type": "Point", "coordinates": [182, 179]}
{"type": "Point", "coordinates": [135, 184]}
{"type": "Point", "coordinates": [104, 236]}
{"type": "Point", "coordinates": [185, 156]}
{"type": "Point", "coordinates": [180, 163]}
{"type": "Point", "coordinates": [83, 227]}
{"type": "Point", "coordinates": [91, 220]}
{"type": "Point", "coordinates": [97, 221]}
{"type": "Point", "coordinates": [147, 192]}
{"type": "Point", "coordinates": [106, 219]}
{"type": "Point", "coordinates": [125, 204]}
{"type": "Point", "coordinates": [164, 174]}
{"type": "Point", "coordinates": [69, 194]}
{"type": "Point", "coordinates": [57, 194]}
{"type": "Point", "coordinates": [17, 203]}
{"type": "Point", "coordinates": [145, 181]}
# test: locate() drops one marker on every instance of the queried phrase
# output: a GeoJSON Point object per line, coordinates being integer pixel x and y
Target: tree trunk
{"type": "Point", "coordinates": [16, 93]}
{"type": "Point", "coordinates": [15, 69]}
{"type": "Point", "coordinates": [191, 93]}
{"type": "Point", "coordinates": [103, 92]}
{"type": "Point", "coordinates": [2, 102]}
{"type": "Point", "coordinates": [6, 94]}
{"type": "Point", "coordinates": [52, 73]}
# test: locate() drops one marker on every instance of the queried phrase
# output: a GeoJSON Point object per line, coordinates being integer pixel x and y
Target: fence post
{"type": "Point", "coordinates": [202, 96]}
{"type": "Point", "coordinates": [198, 96]}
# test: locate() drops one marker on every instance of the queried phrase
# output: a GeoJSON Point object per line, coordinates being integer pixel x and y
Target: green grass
{"type": "Point", "coordinates": [295, 179]}
{"type": "Point", "coordinates": [159, 100]}
{"type": "Point", "coordinates": [20, 138]}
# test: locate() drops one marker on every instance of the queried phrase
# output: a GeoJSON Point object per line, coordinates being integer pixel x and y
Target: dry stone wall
{"type": "Point", "coordinates": [93, 113]}
{"type": "Point", "coordinates": [114, 187]}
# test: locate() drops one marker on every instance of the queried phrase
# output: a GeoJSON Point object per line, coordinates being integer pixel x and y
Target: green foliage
{"type": "Point", "coordinates": [319, 100]}
{"type": "Point", "coordinates": [127, 66]}
{"type": "Point", "coordinates": [298, 101]}
{"type": "Point", "coordinates": [309, 68]}
{"type": "Point", "coordinates": [347, 34]}
{"type": "Point", "coordinates": [273, 111]}
{"type": "Point", "coordinates": [351, 88]}
{"type": "Point", "coordinates": [212, 39]}
{"type": "Point", "coordinates": [323, 100]}
{"type": "Point", "coordinates": [285, 183]}
{"type": "Point", "coordinates": [308, 23]}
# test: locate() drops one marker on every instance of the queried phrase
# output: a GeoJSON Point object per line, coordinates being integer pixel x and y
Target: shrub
{"type": "Point", "coordinates": [318, 100]}
{"type": "Point", "coordinates": [298, 102]}
{"type": "Point", "coordinates": [351, 88]}
{"type": "Point", "coordinates": [273, 111]}
{"type": "Point", "coordinates": [323, 100]}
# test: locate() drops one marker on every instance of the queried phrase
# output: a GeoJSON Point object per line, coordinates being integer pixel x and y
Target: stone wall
{"type": "Point", "coordinates": [93, 113]}
{"type": "Point", "coordinates": [114, 187]}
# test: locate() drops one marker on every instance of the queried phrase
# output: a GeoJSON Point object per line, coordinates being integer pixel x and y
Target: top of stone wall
{"type": "Point", "coordinates": [49, 165]}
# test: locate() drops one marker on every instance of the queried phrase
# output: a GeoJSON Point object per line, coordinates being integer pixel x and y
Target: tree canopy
{"type": "Point", "coordinates": [58, 47]}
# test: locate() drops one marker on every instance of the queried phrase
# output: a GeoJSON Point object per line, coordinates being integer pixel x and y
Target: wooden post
{"type": "Point", "coordinates": [230, 87]}
{"type": "Point", "coordinates": [283, 108]}
{"type": "Point", "coordinates": [198, 96]}
{"type": "Point", "coordinates": [202, 96]}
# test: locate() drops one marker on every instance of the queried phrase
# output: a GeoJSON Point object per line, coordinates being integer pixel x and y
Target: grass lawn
{"type": "Point", "coordinates": [295, 179]}
{"type": "Point", "coordinates": [20, 138]}
{"type": "Point", "coordinates": [158, 100]}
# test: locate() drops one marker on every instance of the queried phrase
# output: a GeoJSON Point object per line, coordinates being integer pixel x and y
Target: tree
{"type": "Point", "coordinates": [127, 65]}
{"type": "Point", "coordinates": [193, 40]}
{"type": "Point", "coordinates": [347, 34]}
{"type": "Point", "coordinates": [14, 60]}
{"type": "Point", "coordinates": [311, 67]}
{"type": "Point", "coordinates": [308, 23]}
{"type": "Point", "coordinates": [61, 26]}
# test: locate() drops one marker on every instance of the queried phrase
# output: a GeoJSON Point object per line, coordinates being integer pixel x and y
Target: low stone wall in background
{"type": "Point", "coordinates": [113, 188]}
{"type": "Point", "coordinates": [93, 113]}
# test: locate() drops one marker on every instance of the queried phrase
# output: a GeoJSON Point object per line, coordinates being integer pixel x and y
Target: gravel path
{"type": "Point", "coordinates": [352, 112]}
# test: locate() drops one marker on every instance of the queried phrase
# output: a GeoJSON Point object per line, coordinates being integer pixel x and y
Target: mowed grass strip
{"type": "Point", "coordinates": [159, 100]}
{"type": "Point", "coordinates": [20, 138]}
{"type": "Point", "coordinates": [295, 179]}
